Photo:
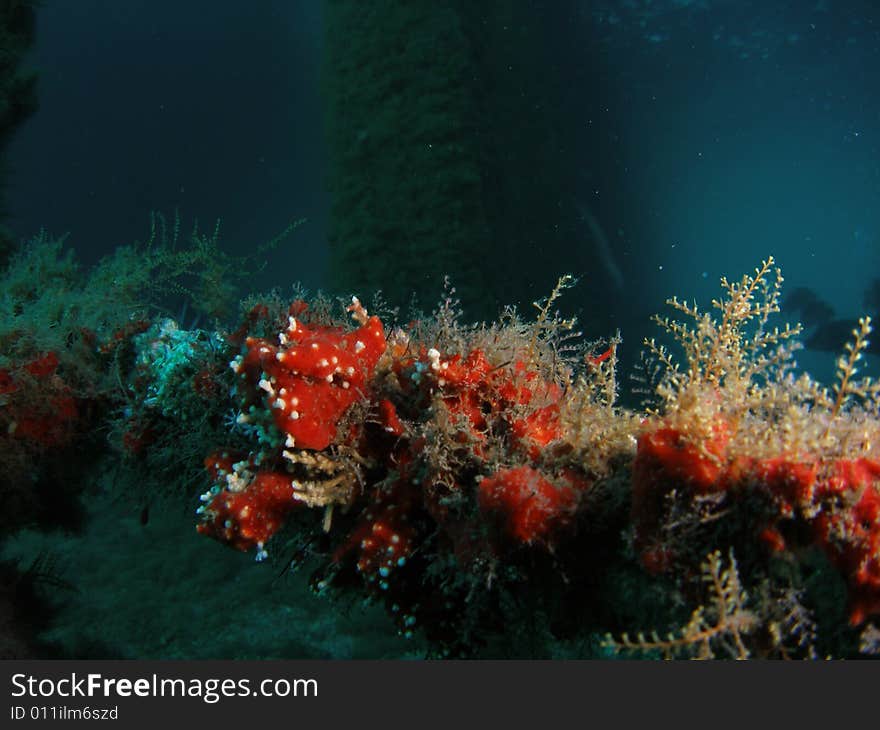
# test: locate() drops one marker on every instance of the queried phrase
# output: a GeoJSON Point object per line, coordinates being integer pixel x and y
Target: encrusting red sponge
{"type": "Point", "coordinates": [313, 376]}
{"type": "Point", "coordinates": [531, 507]}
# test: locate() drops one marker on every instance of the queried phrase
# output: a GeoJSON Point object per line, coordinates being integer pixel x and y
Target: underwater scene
{"type": "Point", "coordinates": [406, 329]}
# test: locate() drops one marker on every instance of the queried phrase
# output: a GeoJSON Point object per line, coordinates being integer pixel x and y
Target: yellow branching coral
{"type": "Point", "coordinates": [720, 625]}
{"type": "Point", "coordinates": [739, 346]}
{"type": "Point", "coordinates": [739, 369]}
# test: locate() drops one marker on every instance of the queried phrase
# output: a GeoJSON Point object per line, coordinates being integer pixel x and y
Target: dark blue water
{"type": "Point", "coordinates": [699, 136]}
{"type": "Point", "coordinates": [209, 108]}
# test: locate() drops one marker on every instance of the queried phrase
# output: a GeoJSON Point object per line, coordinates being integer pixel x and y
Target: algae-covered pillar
{"type": "Point", "coordinates": [18, 98]}
{"type": "Point", "coordinates": [447, 150]}
{"type": "Point", "coordinates": [404, 172]}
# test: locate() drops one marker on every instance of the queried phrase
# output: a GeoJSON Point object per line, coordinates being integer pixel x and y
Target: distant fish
{"type": "Point", "coordinates": [812, 309]}
{"type": "Point", "coordinates": [871, 298]}
{"type": "Point", "coordinates": [828, 333]}
{"type": "Point", "coordinates": [602, 247]}
{"type": "Point", "coordinates": [833, 335]}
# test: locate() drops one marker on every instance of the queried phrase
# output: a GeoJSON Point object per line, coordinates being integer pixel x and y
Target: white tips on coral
{"type": "Point", "coordinates": [358, 312]}
{"type": "Point", "coordinates": [434, 357]}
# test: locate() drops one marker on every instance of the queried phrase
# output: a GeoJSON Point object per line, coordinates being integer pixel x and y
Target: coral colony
{"type": "Point", "coordinates": [472, 448]}
{"type": "Point", "coordinates": [465, 476]}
